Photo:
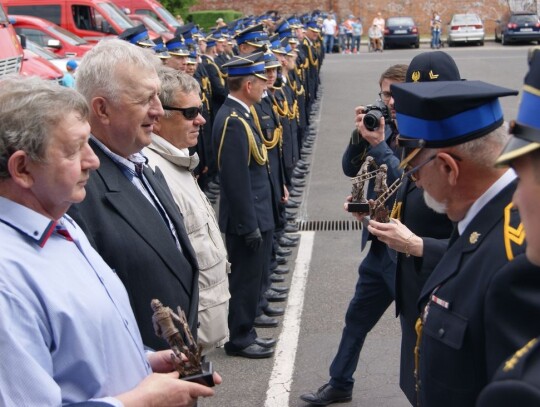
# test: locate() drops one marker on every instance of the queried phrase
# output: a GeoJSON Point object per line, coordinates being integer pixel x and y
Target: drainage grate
{"type": "Point", "coordinates": [329, 225]}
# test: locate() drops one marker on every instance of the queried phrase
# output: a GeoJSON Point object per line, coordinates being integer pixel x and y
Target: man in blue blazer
{"type": "Point", "coordinates": [475, 310]}
{"type": "Point", "coordinates": [246, 209]}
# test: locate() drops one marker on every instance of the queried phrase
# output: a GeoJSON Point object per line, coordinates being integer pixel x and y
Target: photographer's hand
{"type": "Point", "coordinates": [372, 137]}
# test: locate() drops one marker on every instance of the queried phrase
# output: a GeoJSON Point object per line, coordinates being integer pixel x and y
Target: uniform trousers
{"type": "Point", "coordinates": [247, 270]}
{"type": "Point", "coordinates": [373, 294]}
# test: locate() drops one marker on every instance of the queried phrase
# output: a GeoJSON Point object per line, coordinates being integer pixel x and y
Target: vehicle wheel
{"type": "Point", "coordinates": [417, 45]}
{"type": "Point", "coordinates": [503, 39]}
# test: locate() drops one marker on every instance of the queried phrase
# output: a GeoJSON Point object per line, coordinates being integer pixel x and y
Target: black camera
{"type": "Point", "coordinates": [373, 114]}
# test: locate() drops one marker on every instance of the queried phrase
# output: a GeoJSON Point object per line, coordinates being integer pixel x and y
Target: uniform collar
{"type": "Point", "coordinates": [487, 196]}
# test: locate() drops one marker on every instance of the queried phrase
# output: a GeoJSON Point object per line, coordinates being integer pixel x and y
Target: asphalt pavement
{"type": "Point", "coordinates": [324, 268]}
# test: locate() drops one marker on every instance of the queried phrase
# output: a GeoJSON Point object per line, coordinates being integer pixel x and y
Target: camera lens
{"type": "Point", "coordinates": [372, 119]}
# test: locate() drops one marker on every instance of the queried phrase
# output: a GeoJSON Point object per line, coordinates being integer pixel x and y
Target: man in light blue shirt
{"type": "Point", "coordinates": [67, 332]}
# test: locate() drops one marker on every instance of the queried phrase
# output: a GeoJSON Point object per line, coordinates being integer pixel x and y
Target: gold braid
{"type": "Point", "coordinates": [312, 61]}
{"type": "Point", "coordinates": [260, 156]}
{"type": "Point", "coordinates": [205, 81]}
{"type": "Point", "coordinates": [221, 75]}
{"type": "Point", "coordinates": [277, 134]}
{"type": "Point", "coordinates": [282, 111]}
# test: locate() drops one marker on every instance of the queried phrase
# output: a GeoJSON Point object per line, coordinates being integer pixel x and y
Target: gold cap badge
{"type": "Point", "coordinates": [433, 76]}
{"type": "Point", "coordinates": [415, 76]}
{"type": "Point", "coordinates": [473, 238]}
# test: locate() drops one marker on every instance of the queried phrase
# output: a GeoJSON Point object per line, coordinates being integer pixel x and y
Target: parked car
{"type": "Point", "coordinates": [152, 25]}
{"type": "Point", "coordinates": [152, 8]}
{"type": "Point", "coordinates": [50, 35]}
{"type": "Point", "coordinates": [11, 52]}
{"type": "Point", "coordinates": [38, 64]}
{"type": "Point", "coordinates": [401, 31]}
{"type": "Point", "coordinates": [465, 28]}
{"type": "Point", "coordinates": [42, 52]}
{"type": "Point", "coordinates": [518, 26]}
{"type": "Point", "coordinates": [89, 19]}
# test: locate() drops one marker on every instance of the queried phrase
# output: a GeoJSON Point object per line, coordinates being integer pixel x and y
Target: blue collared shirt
{"type": "Point", "coordinates": [67, 331]}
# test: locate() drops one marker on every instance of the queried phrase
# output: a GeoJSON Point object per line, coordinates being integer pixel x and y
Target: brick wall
{"type": "Point", "coordinates": [420, 10]}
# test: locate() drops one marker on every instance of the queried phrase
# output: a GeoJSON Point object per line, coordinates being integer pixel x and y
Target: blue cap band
{"type": "Point", "coordinates": [528, 109]}
{"type": "Point", "coordinates": [139, 37]}
{"type": "Point", "coordinates": [257, 35]}
{"type": "Point", "coordinates": [247, 70]}
{"type": "Point", "coordinates": [174, 45]}
{"type": "Point", "coordinates": [450, 128]}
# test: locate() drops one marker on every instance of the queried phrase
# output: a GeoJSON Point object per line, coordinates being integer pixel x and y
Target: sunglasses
{"type": "Point", "coordinates": [190, 113]}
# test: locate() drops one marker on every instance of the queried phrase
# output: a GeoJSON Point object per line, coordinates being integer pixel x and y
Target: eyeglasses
{"type": "Point", "coordinates": [411, 171]}
{"type": "Point", "coordinates": [385, 95]}
{"type": "Point", "coordinates": [190, 113]}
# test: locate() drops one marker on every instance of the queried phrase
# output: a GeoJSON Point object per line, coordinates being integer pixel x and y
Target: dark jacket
{"type": "Point", "coordinates": [480, 310]}
{"type": "Point", "coordinates": [246, 201]}
{"type": "Point", "coordinates": [130, 235]}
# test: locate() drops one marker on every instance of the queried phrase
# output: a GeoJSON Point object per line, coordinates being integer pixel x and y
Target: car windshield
{"type": "Point", "coordinates": [168, 17]}
{"type": "Point", "coordinates": [154, 25]}
{"type": "Point", "coordinates": [116, 15]}
{"type": "Point", "coordinates": [523, 19]}
{"type": "Point", "coordinates": [3, 17]}
{"type": "Point", "coordinates": [399, 21]}
{"type": "Point", "coordinates": [67, 36]}
{"type": "Point", "coordinates": [466, 19]}
{"type": "Point", "coordinates": [42, 52]}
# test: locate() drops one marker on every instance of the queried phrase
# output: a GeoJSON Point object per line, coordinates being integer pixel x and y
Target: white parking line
{"type": "Point", "coordinates": [279, 386]}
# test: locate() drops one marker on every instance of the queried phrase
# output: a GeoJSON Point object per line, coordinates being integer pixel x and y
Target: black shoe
{"type": "Point", "coordinates": [292, 204]}
{"type": "Point", "coordinates": [294, 193]}
{"type": "Point", "coordinates": [276, 279]}
{"type": "Point", "coordinates": [281, 260]}
{"type": "Point", "coordinates": [263, 321]}
{"type": "Point", "coordinates": [294, 238]}
{"type": "Point", "coordinates": [266, 342]}
{"type": "Point", "coordinates": [273, 296]}
{"type": "Point", "coordinates": [279, 289]}
{"type": "Point", "coordinates": [290, 216]}
{"type": "Point", "coordinates": [283, 252]}
{"type": "Point", "coordinates": [253, 351]}
{"type": "Point", "coordinates": [291, 228]}
{"type": "Point", "coordinates": [280, 270]}
{"type": "Point", "coordinates": [274, 311]}
{"type": "Point", "coordinates": [327, 395]}
{"type": "Point", "coordinates": [285, 242]}
{"type": "Point", "coordinates": [210, 195]}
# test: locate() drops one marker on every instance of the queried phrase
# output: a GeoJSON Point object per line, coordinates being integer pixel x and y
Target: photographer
{"type": "Point", "coordinates": [379, 284]}
{"type": "Point", "coordinates": [374, 291]}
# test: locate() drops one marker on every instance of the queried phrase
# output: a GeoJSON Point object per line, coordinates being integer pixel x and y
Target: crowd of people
{"type": "Point", "coordinates": [106, 195]}
{"type": "Point", "coordinates": [106, 208]}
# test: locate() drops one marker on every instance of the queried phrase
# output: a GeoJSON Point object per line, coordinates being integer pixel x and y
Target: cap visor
{"type": "Point", "coordinates": [408, 155]}
{"type": "Point", "coordinates": [515, 148]}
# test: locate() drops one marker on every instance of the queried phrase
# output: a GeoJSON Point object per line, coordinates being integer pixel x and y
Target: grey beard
{"type": "Point", "coordinates": [438, 207]}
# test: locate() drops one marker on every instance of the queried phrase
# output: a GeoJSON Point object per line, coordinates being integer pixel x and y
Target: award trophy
{"type": "Point", "coordinates": [165, 323]}
{"type": "Point", "coordinates": [376, 208]}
